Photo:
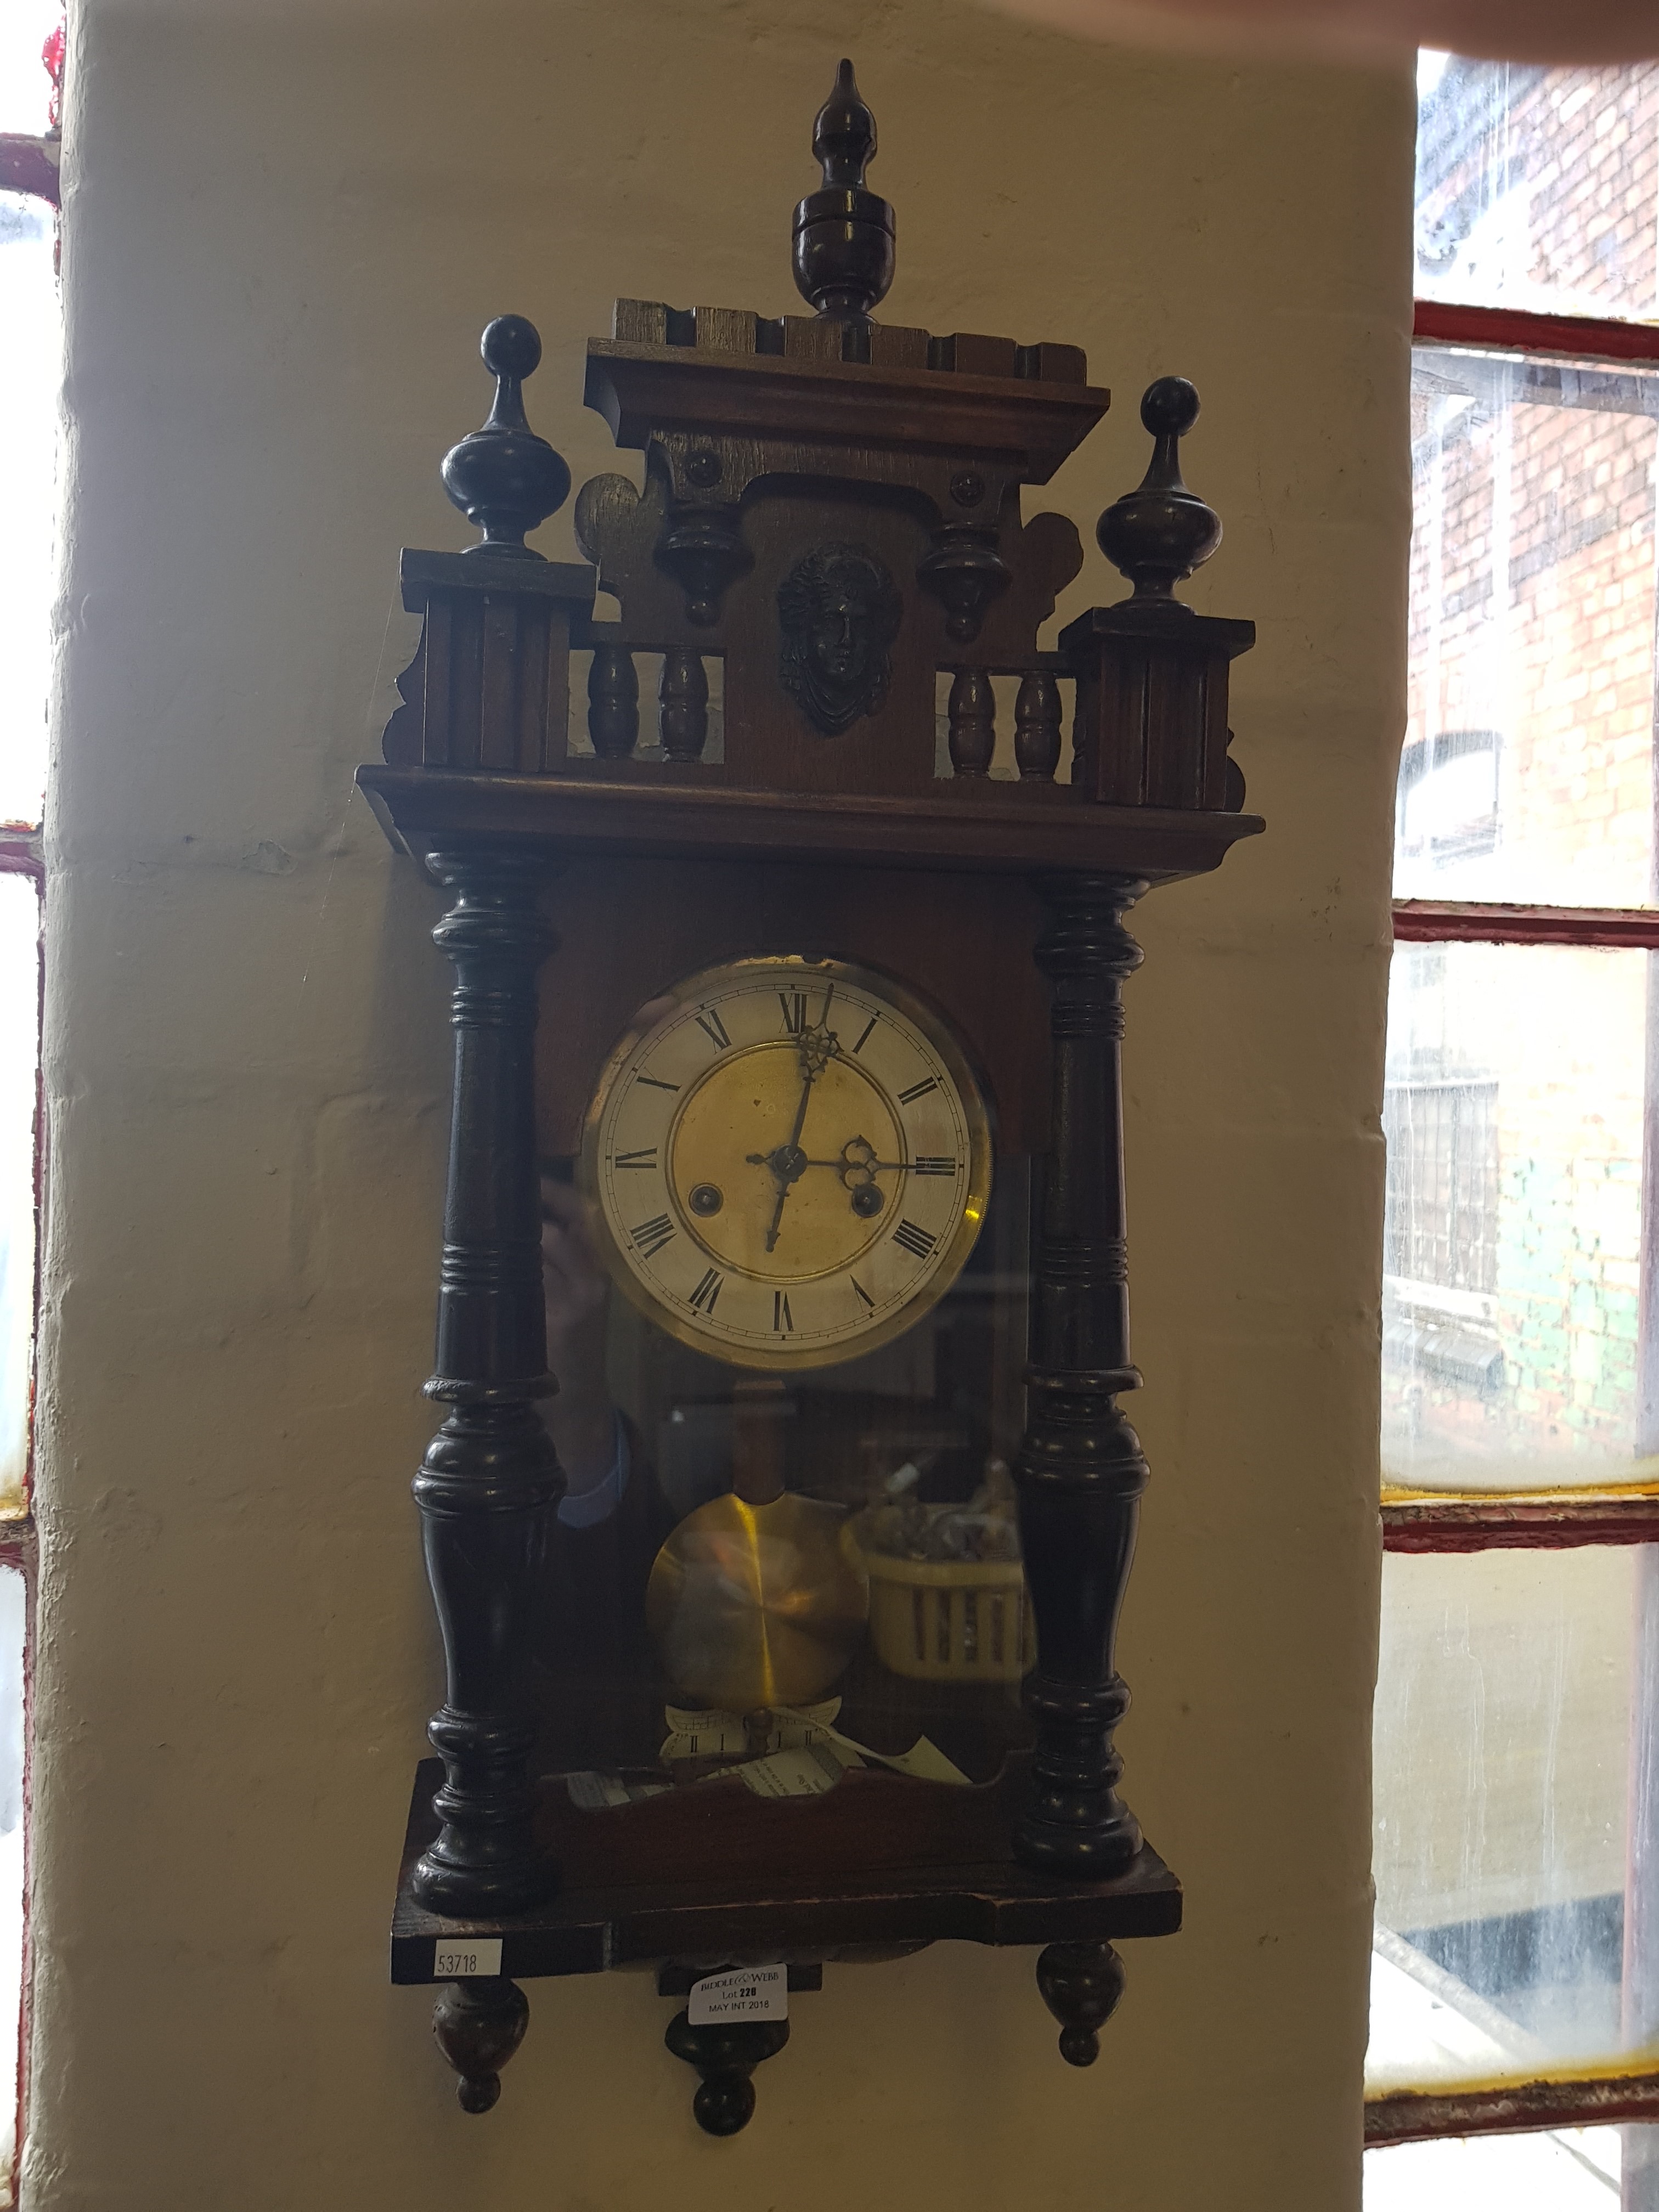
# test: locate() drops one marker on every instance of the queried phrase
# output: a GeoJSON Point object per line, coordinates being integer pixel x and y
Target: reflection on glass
{"type": "Point", "coordinates": [20, 984]}
{"type": "Point", "coordinates": [1528, 768]}
{"type": "Point", "coordinates": [1537, 187]}
{"type": "Point", "coordinates": [28, 405]}
{"type": "Point", "coordinates": [1513, 1111]}
{"type": "Point", "coordinates": [786, 1579]}
{"type": "Point", "coordinates": [1568, 2170]}
{"type": "Point", "coordinates": [1504, 1849]}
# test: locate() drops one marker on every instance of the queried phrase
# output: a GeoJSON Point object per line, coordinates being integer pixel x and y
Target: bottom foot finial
{"type": "Point", "coordinates": [726, 2057]}
{"type": "Point", "coordinates": [479, 2025]}
{"type": "Point", "coordinates": [1081, 1984]}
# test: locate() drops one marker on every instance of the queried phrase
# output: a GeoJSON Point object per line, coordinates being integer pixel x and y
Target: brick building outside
{"type": "Point", "coordinates": [1517, 1075]}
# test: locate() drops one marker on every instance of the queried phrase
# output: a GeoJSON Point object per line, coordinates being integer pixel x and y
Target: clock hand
{"type": "Point", "coordinates": [787, 1162]}
{"type": "Point", "coordinates": [818, 1047]}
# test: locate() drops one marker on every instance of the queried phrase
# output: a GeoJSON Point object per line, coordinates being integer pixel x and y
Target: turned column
{"type": "Point", "coordinates": [490, 1479]}
{"type": "Point", "coordinates": [1080, 1471]}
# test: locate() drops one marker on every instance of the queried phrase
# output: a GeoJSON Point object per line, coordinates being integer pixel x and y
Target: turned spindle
{"type": "Point", "coordinates": [613, 702]}
{"type": "Point", "coordinates": [503, 476]}
{"type": "Point", "coordinates": [490, 1481]}
{"type": "Point", "coordinates": [683, 697]}
{"type": "Point", "coordinates": [973, 722]}
{"type": "Point", "coordinates": [1037, 729]}
{"type": "Point", "coordinates": [1079, 1470]}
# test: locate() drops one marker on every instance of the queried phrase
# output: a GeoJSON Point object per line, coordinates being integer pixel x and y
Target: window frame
{"type": "Point", "coordinates": [1415, 1523]}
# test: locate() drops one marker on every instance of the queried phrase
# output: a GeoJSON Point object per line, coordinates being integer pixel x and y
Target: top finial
{"type": "Point", "coordinates": [504, 477]}
{"type": "Point", "coordinates": [844, 136]}
{"type": "Point", "coordinates": [1161, 532]}
{"type": "Point", "coordinates": [843, 235]}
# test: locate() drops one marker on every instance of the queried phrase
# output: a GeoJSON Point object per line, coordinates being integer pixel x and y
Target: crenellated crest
{"type": "Point", "coordinates": [826, 576]}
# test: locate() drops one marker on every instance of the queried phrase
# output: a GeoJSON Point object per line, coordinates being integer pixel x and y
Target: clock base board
{"type": "Point", "coordinates": [611, 1912]}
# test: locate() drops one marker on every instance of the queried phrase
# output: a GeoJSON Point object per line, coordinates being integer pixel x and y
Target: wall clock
{"type": "Point", "coordinates": [784, 1498]}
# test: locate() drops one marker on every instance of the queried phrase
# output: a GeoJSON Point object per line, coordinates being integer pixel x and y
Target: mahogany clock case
{"type": "Point", "coordinates": [828, 574]}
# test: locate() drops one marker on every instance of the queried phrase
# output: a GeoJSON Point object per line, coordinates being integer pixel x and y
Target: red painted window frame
{"type": "Point", "coordinates": [1540, 1523]}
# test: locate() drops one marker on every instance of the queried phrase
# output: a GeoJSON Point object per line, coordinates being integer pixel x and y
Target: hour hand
{"type": "Point", "coordinates": [858, 1168]}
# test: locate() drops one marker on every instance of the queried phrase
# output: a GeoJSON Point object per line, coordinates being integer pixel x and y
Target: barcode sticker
{"type": "Point", "coordinates": [745, 1993]}
{"type": "Point", "coordinates": [460, 1962]}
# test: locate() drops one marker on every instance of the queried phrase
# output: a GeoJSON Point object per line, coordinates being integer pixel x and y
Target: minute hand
{"type": "Point", "coordinates": [792, 1151]}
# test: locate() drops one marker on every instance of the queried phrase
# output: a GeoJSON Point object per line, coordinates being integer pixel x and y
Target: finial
{"type": "Point", "coordinates": [1162, 532]}
{"type": "Point", "coordinates": [504, 477]}
{"type": "Point", "coordinates": [843, 234]}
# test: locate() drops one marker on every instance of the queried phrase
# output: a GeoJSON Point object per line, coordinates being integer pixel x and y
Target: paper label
{"type": "Point", "coordinates": [599, 1793]}
{"type": "Point", "coordinates": [806, 1771]}
{"type": "Point", "coordinates": [794, 1752]}
{"type": "Point", "coordinates": [461, 1961]}
{"type": "Point", "coordinates": [745, 1993]}
{"type": "Point", "coordinates": [923, 1762]}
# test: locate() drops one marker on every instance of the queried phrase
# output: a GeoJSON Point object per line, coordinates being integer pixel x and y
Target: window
{"type": "Point", "coordinates": [1514, 2000]}
{"type": "Point", "coordinates": [31, 42]}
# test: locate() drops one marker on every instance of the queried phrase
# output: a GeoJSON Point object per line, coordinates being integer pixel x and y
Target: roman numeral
{"type": "Point", "coordinates": [915, 1240]}
{"type": "Point", "coordinates": [656, 1082]}
{"type": "Point", "coordinates": [707, 1294]}
{"type": "Point", "coordinates": [648, 1159]}
{"type": "Point", "coordinates": [794, 1011]}
{"type": "Point", "coordinates": [651, 1235]}
{"type": "Point", "coordinates": [868, 1026]}
{"type": "Point", "coordinates": [918, 1090]}
{"type": "Point", "coordinates": [782, 1320]}
{"type": "Point", "coordinates": [714, 1027]}
{"type": "Point", "coordinates": [929, 1163]}
{"type": "Point", "coordinates": [864, 1296]}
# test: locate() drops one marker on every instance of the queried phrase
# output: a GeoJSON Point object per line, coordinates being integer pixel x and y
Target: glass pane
{"type": "Point", "coordinates": [1570, 2169]}
{"type": "Point", "coordinates": [25, 86]}
{"type": "Point", "coordinates": [1512, 1240]}
{"type": "Point", "coordinates": [1538, 188]}
{"type": "Point", "coordinates": [788, 1581]}
{"type": "Point", "coordinates": [20, 987]}
{"type": "Point", "coordinates": [1506, 1714]}
{"type": "Point", "coordinates": [1528, 768]}
{"type": "Point", "coordinates": [29, 344]}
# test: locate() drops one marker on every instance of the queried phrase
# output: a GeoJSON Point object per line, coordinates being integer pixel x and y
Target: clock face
{"type": "Point", "coordinates": [791, 1160]}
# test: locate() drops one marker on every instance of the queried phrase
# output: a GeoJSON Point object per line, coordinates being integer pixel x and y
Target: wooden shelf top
{"type": "Point", "coordinates": [658, 812]}
{"type": "Point", "coordinates": [934, 1864]}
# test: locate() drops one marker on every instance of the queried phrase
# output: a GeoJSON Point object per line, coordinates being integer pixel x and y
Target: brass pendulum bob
{"type": "Point", "coordinates": [759, 1597]}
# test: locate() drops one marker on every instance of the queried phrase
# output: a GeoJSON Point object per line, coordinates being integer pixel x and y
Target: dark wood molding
{"type": "Point", "coordinates": [675, 815]}
{"type": "Point", "coordinates": [1033, 426]}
